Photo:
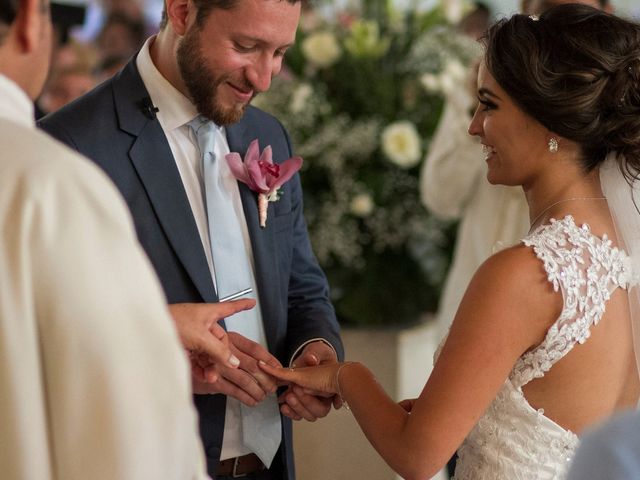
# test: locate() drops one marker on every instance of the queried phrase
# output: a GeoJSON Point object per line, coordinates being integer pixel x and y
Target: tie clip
{"type": "Point", "coordinates": [238, 294]}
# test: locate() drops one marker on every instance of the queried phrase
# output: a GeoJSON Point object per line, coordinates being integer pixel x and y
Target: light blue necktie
{"type": "Point", "coordinates": [261, 425]}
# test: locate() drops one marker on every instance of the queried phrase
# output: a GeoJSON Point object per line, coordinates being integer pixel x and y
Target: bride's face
{"type": "Point", "coordinates": [513, 142]}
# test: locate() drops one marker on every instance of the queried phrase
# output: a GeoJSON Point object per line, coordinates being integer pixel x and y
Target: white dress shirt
{"type": "Point", "coordinates": [93, 381]}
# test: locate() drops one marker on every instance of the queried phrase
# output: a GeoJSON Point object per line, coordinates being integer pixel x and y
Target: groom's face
{"type": "Point", "coordinates": [232, 55]}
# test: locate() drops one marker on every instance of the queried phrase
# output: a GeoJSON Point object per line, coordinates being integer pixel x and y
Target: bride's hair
{"type": "Point", "coordinates": [576, 70]}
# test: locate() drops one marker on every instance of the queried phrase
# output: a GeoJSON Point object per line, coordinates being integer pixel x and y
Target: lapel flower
{"type": "Point", "coordinates": [261, 175]}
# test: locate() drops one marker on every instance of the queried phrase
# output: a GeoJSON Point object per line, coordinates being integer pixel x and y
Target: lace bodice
{"type": "Point", "coordinates": [512, 440]}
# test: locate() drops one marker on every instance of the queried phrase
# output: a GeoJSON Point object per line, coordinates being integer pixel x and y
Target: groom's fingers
{"type": "Point", "coordinates": [296, 405]}
{"type": "Point", "coordinates": [196, 325]}
{"type": "Point", "coordinates": [224, 387]}
{"type": "Point", "coordinates": [244, 381]}
{"type": "Point", "coordinates": [249, 353]}
{"type": "Point", "coordinates": [288, 412]}
{"type": "Point", "coordinates": [220, 311]}
{"type": "Point", "coordinates": [253, 349]}
{"type": "Point", "coordinates": [250, 366]}
{"type": "Point", "coordinates": [308, 407]}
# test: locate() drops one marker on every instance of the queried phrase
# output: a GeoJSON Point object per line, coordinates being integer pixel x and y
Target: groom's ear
{"type": "Point", "coordinates": [28, 25]}
{"type": "Point", "coordinates": [181, 14]}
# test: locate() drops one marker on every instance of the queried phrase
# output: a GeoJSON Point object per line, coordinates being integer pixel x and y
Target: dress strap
{"type": "Point", "coordinates": [585, 269]}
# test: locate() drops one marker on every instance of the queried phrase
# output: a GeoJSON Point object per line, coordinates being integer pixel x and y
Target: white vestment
{"type": "Point", "coordinates": [93, 381]}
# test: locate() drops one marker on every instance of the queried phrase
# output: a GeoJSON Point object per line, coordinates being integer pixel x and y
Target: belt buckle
{"type": "Point", "coordinates": [234, 472]}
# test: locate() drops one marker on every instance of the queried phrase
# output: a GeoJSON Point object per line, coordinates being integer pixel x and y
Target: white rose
{"type": "Point", "coordinates": [454, 11]}
{"type": "Point", "coordinates": [431, 82]}
{"type": "Point", "coordinates": [361, 205]}
{"type": "Point", "coordinates": [300, 97]}
{"type": "Point", "coordinates": [321, 49]}
{"type": "Point", "coordinates": [401, 144]}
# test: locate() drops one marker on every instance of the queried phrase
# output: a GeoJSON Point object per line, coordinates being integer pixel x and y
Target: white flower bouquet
{"type": "Point", "coordinates": [361, 97]}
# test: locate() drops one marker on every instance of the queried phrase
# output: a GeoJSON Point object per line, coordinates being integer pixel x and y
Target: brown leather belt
{"type": "Point", "coordinates": [240, 466]}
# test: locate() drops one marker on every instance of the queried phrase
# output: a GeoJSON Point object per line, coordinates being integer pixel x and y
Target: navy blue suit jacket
{"type": "Point", "coordinates": [113, 126]}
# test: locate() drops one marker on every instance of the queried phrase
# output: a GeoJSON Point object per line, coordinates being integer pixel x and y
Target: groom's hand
{"type": "Point", "coordinates": [247, 383]}
{"type": "Point", "coordinates": [250, 353]}
{"type": "Point", "coordinates": [296, 402]}
{"type": "Point", "coordinates": [202, 337]}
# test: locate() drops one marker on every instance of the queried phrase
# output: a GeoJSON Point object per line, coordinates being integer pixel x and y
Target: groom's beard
{"type": "Point", "coordinates": [203, 84]}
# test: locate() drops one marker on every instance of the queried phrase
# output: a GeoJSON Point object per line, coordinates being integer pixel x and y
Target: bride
{"type": "Point", "coordinates": [542, 344]}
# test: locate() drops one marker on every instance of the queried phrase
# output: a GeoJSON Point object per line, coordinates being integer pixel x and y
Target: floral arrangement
{"type": "Point", "coordinates": [361, 96]}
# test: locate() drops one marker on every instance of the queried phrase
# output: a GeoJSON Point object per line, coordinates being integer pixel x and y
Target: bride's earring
{"type": "Point", "coordinates": [553, 145]}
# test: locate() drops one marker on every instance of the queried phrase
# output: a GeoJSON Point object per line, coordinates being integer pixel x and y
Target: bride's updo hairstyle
{"type": "Point", "coordinates": [576, 70]}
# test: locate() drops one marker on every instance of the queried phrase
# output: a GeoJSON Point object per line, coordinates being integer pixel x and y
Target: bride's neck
{"type": "Point", "coordinates": [551, 195]}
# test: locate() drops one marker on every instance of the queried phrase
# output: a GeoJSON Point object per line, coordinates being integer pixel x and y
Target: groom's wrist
{"type": "Point", "coordinates": [301, 348]}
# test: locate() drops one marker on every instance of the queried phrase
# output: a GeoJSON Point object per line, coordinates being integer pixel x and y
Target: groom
{"type": "Point", "coordinates": [156, 127]}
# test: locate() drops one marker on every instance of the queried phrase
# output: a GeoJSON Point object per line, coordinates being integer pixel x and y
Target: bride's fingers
{"type": "Point", "coordinates": [313, 378]}
{"type": "Point", "coordinates": [286, 374]}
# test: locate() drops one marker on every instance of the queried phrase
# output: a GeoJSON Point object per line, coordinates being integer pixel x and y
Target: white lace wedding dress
{"type": "Point", "coordinates": [513, 440]}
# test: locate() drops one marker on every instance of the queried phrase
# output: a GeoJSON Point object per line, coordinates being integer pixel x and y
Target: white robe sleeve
{"type": "Point", "coordinates": [94, 382]}
{"type": "Point", "coordinates": [454, 163]}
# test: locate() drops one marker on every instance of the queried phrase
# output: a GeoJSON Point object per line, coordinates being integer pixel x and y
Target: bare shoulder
{"type": "Point", "coordinates": [510, 293]}
{"type": "Point", "coordinates": [516, 272]}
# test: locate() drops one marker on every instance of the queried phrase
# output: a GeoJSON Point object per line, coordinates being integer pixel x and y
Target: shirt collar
{"type": "Point", "coordinates": [15, 104]}
{"type": "Point", "coordinates": [175, 109]}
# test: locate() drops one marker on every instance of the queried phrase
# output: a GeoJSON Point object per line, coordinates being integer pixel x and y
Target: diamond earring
{"type": "Point", "coordinates": [553, 145]}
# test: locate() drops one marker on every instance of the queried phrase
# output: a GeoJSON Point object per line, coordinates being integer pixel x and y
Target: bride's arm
{"type": "Point", "coordinates": [506, 310]}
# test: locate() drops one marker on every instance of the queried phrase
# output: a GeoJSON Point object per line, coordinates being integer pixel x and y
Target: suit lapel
{"type": "Point", "coordinates": [263, 240]}
{"type": "Point", "coordinates": [152, 159]}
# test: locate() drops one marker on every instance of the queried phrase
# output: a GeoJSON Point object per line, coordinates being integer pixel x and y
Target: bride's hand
{"type": "Point", "coordinates": [320, 379]}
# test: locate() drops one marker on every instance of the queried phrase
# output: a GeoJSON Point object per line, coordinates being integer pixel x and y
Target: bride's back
{"type": "Point", "coordinates": [599, 376]}
{"type": "Point", "coordinates": [595, 378]}
{"type": "Point", "coordinates": [566, 287]}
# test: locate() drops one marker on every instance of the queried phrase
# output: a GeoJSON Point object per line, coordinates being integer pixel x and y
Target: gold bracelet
{"type": "Point", "coordinates": [344, 402]}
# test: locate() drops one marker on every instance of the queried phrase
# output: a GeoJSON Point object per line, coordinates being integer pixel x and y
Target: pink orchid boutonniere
{"type": "Point", "coordinates": [262, 175]}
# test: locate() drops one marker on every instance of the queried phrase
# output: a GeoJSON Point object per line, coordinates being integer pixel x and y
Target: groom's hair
{"type": "Point", "coordinates": [8, 12]}
{"type": "Point", "coordinates": [205, 6]}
